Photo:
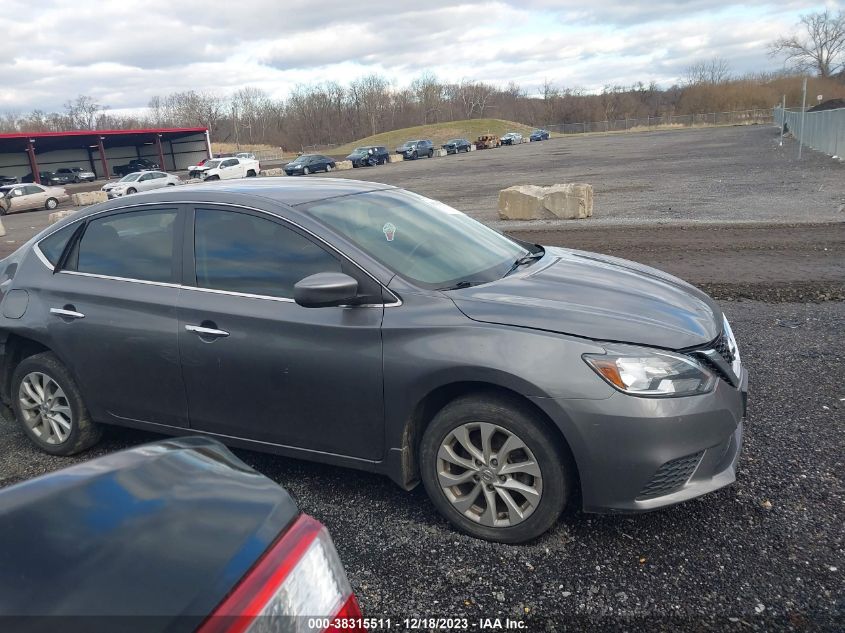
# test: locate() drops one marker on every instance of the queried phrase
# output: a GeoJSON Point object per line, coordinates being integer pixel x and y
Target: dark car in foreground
{"type": "Point", "coordinates": [178, 535]}
{"type": "Point", "coordinates": [539, 135]}
{"type": "Point", "coordinates": [136, 164]}
{"type": "Point", "coordinates": [457, 145]}
{"type": "Point", "coordinates": [369, 156]}
{"type": "Point", "coordinates": [359, 324]}
{"type": "Point", "coordinates": [308, 164]}
{"type": "Point", "coordinates": [8, 180]}
{"type": "Point", "coordinates": [49, 178]}
{"type": "Point", "coordinates": [411, 150]}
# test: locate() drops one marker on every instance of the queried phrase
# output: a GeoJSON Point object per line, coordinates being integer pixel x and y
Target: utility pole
{"type": "Point", "coordinates": [235, 126]}
{"type": "Point", "coordinates": [803, 111]}
{"type": "Point", "coordinates": [782, 119]}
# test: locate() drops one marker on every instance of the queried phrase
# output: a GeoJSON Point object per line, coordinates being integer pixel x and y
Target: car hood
{"type": "Point", "coordinates": [597, 297]}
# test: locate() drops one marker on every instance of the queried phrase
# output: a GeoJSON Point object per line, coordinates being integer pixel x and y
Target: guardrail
{"type": "Point", "coordinates": [822, 131]}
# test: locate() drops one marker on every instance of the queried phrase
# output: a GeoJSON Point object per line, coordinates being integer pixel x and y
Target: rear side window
{"type": "Point", "coordinates": [53, 245]}
{"type": "Point", "coordinates": [134, 245]}
{"type": "Point", "coordinates": [244, 253]}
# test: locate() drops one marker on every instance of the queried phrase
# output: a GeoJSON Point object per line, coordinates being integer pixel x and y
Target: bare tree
{"type": "Point", "coordinates": [715, 71]}
{"type": "Point", "coordinates": [82, 112]}
{"type": "Point", "coordinates": [818, 47]}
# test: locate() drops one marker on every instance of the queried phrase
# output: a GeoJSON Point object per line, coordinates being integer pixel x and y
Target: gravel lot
{"type": "Point", "coordinates": [727, 561]}
{"type": "Point", "coordinates": [727, 210]}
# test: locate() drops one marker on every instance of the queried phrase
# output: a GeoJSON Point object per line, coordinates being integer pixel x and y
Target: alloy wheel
{"type": "Point", "coordinates": [45, 408]}
{"type": "Point", "coordinates": [489, 474]}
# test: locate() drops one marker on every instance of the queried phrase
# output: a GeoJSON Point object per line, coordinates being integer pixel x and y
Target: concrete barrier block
{"type": "Point", "coordinates": [275, 171]}
{"type": "Point", "coordinates": [87, 198]}
{"type": "Point", "coordinates": [2, 229]}
{"type": "Point", "coordinates": [472, 147]}
{"type": "Point", "coordinates": [571, 201]}
{"type": "Point", "coordinates": [55, 216]}
{"type": "Point", "coordinates": [440, 152]}
{"type": "Point", "coordinates": [343, 165]}
{"type": "Point", "coordinates": [396, 158]}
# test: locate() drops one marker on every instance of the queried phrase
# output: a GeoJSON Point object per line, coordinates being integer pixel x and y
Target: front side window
{"type": "Point", "coordinates": [130, 178]}
{"type": "Point", "coordinates": [133, 245]}
{"type": "Point", "coordinates": [423, 240]}
{"type": "Point", "coordinates": [240, 252]}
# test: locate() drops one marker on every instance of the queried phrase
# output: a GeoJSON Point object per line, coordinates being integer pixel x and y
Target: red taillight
{"type": "Point", "coordinates": [298, 584]}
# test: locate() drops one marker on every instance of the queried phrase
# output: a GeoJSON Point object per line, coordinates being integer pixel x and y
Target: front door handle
{"type": "Point", "coordinates": [66, 313]}
{"type": "Point", "coordinates": [206, 332]}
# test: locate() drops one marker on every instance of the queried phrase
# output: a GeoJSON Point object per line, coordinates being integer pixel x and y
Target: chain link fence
{"type": "Point", "coordinates": [738, 117]}
{"type": "Point", "coordinates": [823, 131]}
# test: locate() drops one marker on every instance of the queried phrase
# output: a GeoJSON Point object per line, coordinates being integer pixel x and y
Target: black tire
{"type": "Point", "coordinates": [518, 419]}
{"type": "Point", "coordinates": [431, 153]}
{"type": "Point", "coordinates": [215, 177]}
{"type": "Point", "coordinates": [84, 431]}
{"type": "Point", "coordinates": [306, 171]}
{"type": "Point", "coordinates": [51, 204]}
{"type": "Point", "coordinates": [329, 167]}
{"type": "Point", "coordinates": [131, 190]}
{"type": "Point", "coordinates": [250, 173]}
{"type": "Point", "coordinates": [414, 155]}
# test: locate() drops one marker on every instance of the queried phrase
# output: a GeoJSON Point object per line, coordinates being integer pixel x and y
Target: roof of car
{"type": "Point", "coordinates": [285, 190]}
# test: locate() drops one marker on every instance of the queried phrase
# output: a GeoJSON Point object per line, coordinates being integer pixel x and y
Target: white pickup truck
{"type": "Point", "coordinates": [225, 168]}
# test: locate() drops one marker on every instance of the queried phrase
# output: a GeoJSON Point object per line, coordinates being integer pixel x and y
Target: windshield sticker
{"type": "Point", "coordinates": [389, 231]}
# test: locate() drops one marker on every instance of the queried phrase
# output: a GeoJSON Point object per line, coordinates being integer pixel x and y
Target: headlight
{"type": "Point", "coordinates": [640, 371]}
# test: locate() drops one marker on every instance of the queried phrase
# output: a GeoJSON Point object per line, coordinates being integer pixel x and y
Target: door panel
{"type": "Point", "coordinates": [307, 378]}
{"type": "Point", "coordinates": [123, 350]}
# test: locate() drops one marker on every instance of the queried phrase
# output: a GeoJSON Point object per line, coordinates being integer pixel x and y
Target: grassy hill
{"type": "Point", "coordinates": [439, 133]}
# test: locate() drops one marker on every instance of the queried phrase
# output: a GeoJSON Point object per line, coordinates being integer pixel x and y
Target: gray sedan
{"type": "Point", "coordinates": [362, 325]}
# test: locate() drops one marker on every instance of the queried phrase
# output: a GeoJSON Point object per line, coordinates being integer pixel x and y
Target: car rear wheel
{"type": "Point", "coordinates": [431, 153]}
{"type": "Point", "coordinates": [250, 173]}
{"type": "Point", "coordinates": [49, 407]}
{"type": "Point", "coordinates": [328, 168]}
{"type": "Point", "coordinates": [51, 203]}
{"type": "Point", "coordinates": [492, 468]}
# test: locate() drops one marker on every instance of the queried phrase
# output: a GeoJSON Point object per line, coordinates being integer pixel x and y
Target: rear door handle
{"type": "Point", "coordinates": [67, 314]}
{"type": "Point", "coordinates": [207, 332]}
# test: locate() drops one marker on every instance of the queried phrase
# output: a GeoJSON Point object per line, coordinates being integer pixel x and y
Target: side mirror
{"type": "Point", "coordinates": [325, 290]}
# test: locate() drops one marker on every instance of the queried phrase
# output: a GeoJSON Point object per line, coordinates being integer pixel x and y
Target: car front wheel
{"type": "Point", "coordinates": [49, 407]}
{"type": "Point", "coordinates": [51, 204]}
{"type": "Point", "coordinates": [493, 469]}
{"type": "Point", "coordinates": [328, 168]}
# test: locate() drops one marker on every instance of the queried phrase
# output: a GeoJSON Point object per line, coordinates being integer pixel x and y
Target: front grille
{"type": "Point", "coordinates": [670, 476]}
{"type": "Point", "coordinates": [721, 346]}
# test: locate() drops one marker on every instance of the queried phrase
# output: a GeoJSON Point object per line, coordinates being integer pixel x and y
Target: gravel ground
{"type": "Point", "coordinates": [764, 554]}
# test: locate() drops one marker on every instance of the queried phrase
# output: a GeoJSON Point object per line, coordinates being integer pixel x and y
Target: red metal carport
{"type": "Point", "coordinates": [63, 145]}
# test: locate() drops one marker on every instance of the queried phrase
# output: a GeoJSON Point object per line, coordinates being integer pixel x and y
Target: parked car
{"type": "Point", "coordinates": [539, 135]}
{"type": "Point", "coordinates": [136, 164]}
{"type": "Point", "coordinates": [416, 149]}
{"type": "Point", "coordinates": [49, 178]}
{"type": "Point", "coordinates": [369, 156]}
{"type": "Point", "coordinates": [24, 197]}
{"type": "Point", "coordinates": [226, 169]}
{"type": "Point", "coordinates": [308, 164]}
{"type": "Point", "coordinates": [77, 174]}
{"type": "Point", "coordinates": [140, 181]}
{"type": "Point", "coordinates": [457, 145]}
{"type": "Point", "coordinates": [487, 141]}
{"type": "Point", "coordinates": [359, 324]}
{"type": "Point", "coordinates": [8, 180]}
{"type": "Point", "coordinates": [512, 138]}
{"type": "Point", "coordinates": [178, 535]}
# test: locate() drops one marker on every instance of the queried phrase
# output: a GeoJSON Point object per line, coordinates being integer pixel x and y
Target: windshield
{"type": "Point", "coordinates": [301, 159]}
{"type": "Point", "coordinates": [408, 144]}
{"type": "Point", "coordinates": [129, 178]}
{"type": "Point", "coordinates": [360, 150]}
{"type": "Point", "coordinates": [423, 240]}
{"type": "Point", "coordinates": [454, 141]}
{"type": "Point", "coordinates": [212, 163]}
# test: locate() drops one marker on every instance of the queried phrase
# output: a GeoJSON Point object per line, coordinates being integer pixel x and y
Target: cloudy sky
{"type": "Point", "coordinates": [122, 53]}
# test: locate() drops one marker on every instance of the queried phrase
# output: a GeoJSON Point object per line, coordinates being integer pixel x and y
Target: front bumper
{"type": "Point", "coordinates": [115, 194]}
{"type": "Point", "coordinates": [637, 454]}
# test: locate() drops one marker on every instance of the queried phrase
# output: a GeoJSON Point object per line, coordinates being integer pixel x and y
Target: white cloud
{"type": "Point", "coordinates": [122, 53]}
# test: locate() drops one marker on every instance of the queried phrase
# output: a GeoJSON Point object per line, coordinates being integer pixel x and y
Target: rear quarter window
{"type": "Point", "coordinates": [54, 245]}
